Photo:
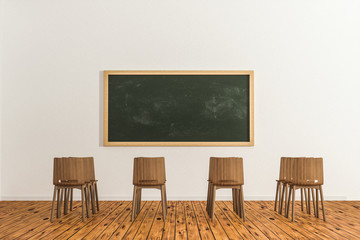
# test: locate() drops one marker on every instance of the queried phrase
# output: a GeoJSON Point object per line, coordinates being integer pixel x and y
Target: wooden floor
{"type": "Point", "coordinates": [185, 220]}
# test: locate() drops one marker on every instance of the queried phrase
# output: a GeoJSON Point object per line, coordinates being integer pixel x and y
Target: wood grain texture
{"type": "Point", "coordinates": [186, 219]}
{"type": "Point", "coordinates": [149, 171]}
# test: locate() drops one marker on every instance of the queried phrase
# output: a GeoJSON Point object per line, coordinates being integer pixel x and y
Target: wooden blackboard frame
{"type": "Point", "coordinates": [251, 108]}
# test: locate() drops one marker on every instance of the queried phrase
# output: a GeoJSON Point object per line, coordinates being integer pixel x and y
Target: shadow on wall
{"type": "Point", "coordinates": [101, 108]}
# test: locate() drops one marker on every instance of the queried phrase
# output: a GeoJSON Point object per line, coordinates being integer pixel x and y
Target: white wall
{"type": "Point", "coordinates": [305, 55]}
{"type": "Point", "coordinates": [1, 135]}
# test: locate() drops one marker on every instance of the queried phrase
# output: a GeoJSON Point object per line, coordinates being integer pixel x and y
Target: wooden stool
{"type": "Point", "coordinates": [68, 174]}
{"type": "Point", "coordinates": [308, 175]}
{"type": "Point", "coordinates": [226, 173]}
{"type": "Point", "coordinates": [91, 182]}
{"type": "Point", "coordinates": [282, 188]}
{"type": "Point", "coordinates": [283, 183]}
{"type": "Point", "coordinates": [148, 173]}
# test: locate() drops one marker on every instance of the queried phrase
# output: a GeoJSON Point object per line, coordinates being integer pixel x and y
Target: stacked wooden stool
{"type": "Point", "coordinates": [301, 173]}
{"type": "Point", "coordinates": [226, 173]}
{"type": "Point", "coordinates": [74, 173]}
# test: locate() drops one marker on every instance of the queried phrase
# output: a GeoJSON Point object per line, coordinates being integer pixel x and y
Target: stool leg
{"type": "Point", "coordinates": [239, 202]}
{"type": "Point", "coordinates": [317, 203]}
{"type": "Point", "coordinates": [306, 200]}
{"type": "Point", "coordinates": [53, 204]}
{"type": "Point", "coordinates": [284, 195]}
{"type": "Point", "coordinates": [322, 202]}
{"type": "Point", "coordinates": [165, 195]}
{"type": "Point", "coordinates": [309, 201]}
{"type": "Point", "coordinates": [276, 194]}
{"type": "Point", "coordinates": [93, 200]}
{"type": "Point", "coordinates": [288, 202]}
{"type": "Point", "coordinates": [87, 200]}
{"type": "Point", "coordinates": [313, 200]}
{"type": "Point", "coordinates": [139, 200]}
{"type": "Point", "coordinates": [134, 204]}
{"type": "Point", "coordinates": [97, 197]}
{"type": "Point", "coordinates": [71, 198]}
{"type": "Point", "coordinates": [212, 211]}
{"type": "Point", "coordinates": [83, 203]}
{"type": "Point", "coordinates": [58, 202]}
{"type": "Point", "coordinates": [242, 202]}
{"type": "Point", "coordinates": [302, 199]}
{"type": "Point", "coordinates": [162, 189]}
{"type": "Point", "coordinates": [293, 203]}
{"type": "Point", "coordinates": [208, 198]}
{"type": "Point", "coordinates": [60, 197]}
{"type": "Point", "coordinates": [66, 200]}
{"type": "Point", "coordinates": [234, 199]}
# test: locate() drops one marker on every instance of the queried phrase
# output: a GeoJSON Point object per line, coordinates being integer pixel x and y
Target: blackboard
{"type": "Point", "coordinates": [184, 108]}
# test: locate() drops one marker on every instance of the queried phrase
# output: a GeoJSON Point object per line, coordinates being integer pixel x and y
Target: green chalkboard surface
{"type": "Point", "coordinates": [178, 108]}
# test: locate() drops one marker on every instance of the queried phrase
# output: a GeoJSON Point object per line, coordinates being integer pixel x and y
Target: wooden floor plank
{"type": "Point", "coordinates": [324, 227]}
{"type": "Point", "coordinates": [26, 213]}
{"type": "Point", "coordinates": [72, 218]}
{"type": "Point", "coordinates": [180, 222]}
{"type": "Point", "coordinates": [284, 223]}
{"type": "Point", "coordinates": [97, 231]}
{"type": "Point", "coordinates": [348, 211]}
{"type": "Point", "coordinates": [106, 234]}
{"type": "Point", "coordinates": [72, 229]}
{"type": "Point", "coordinates": [227, 225]}
{"type": "Point", "coordinates": [144, 229]}
{"type": "Point", "coordinates": [266, 222]}
{"type": "Point", "coordinates": [191, 222]}
{"type": "Point", "coordinates": [341, 223]}
{"type": "Point", "coordinates": [203, 225]}
{"type": "Point", "coordinates": [215, 225]}
{"type": "Point", "coordinates": [327, 227]}
{"type": "Point", "coordinates": [302, 219]}
{"type": "Point", "coordinates": [12, 207]}
{"type": "Point", "coordinates": [341, 230]}
{"type": "Point", "coordinates": [247, 229]}
{"type": "Point", "coordinates": [22, 223]}
{"type": "Point", "coordinates": [235, 221]}
{"type": "Point", "coordinates": [95, 221]}
{"type": "Point", "coordinates": [67, 228]}
{"type": "Point", "coordinates": [170, 222]}
{"type": "Point", "coordinates": [44, 225]}
{"type": "Point", "coordinates": [157, 228]}
{"type": "Point", "coordinates": [128, 229]}
{"type": "Point", "coordinates": [252, 224]}
{"type": "Point", "coordinates": [185, 220]}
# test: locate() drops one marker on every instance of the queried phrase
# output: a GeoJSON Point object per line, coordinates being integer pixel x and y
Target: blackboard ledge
{"type": "Point", "coordinates": [181, 144]}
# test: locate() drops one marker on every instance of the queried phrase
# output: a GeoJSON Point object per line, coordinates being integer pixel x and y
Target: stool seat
{"type": "Point", "coordinates": [73, 184]}
{"type": "Point", "coordinates": [228, 183]}
{"type": "Point", "coordinates": [149, 183]}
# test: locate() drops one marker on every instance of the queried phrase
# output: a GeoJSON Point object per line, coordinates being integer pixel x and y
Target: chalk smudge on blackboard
{"type": "Point", "coordinates": [172, 130]}
{"type": "Point", "coordinates": [143, 117]}
{"type": "Point", "coordinates": [126, 101]}
{"type": "Point", "coordinates": [161, 105]}
{"type": "Point", "coordinates": [230, 102]}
